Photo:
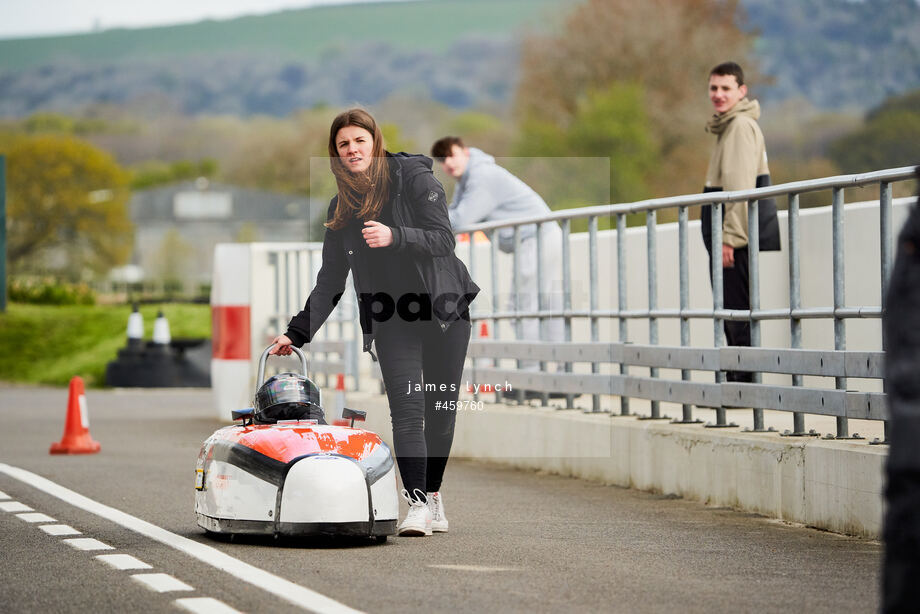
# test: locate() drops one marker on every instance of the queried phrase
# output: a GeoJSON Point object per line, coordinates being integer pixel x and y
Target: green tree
{"type": "Point", "coordinates": [662, 48]}
{"type": "Point", "coordinates": [889, 138]}
{"type": "Point", "coordinates": [610, 123]}
{"type": "Point", "coordinates": [67, 207]}
{"type": "Point", "coordinates": [279, 155]}
{"type": "Point", "coordinates": [155, 173]}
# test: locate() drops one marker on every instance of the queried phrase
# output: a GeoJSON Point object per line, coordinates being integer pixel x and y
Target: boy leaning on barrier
{"type": "Point", "coordinates": [738, 162]}
{"type": "Point", "coordinates": [486, 192]}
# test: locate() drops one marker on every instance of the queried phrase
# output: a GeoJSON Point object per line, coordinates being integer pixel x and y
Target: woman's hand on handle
{"type": "Point", "coordinates": [282, 346]}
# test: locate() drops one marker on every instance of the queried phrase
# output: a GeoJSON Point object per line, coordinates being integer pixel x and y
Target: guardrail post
{"type": "Point", "coordinates": [472, 318]}
{"type": "Point", "coordinates": [887, 257]}
{"type": "Point", "coordinates": [621, 299]}
{"type": "Point", "coordinates": [287, 285]}
{"type": "Point", "coordinates": [541, 304]}
{"type": "Point", "coordinates": [592, 277]}
{"type": "Point", "coordinates": [567, 295]}
{"type": "Point", "coordinates": [840, 334]}
{"type": "Point", "coordinates": [795, 302]}
{"type": "Point", "coordinates": [652, 268]}
{"type": "Point", "coordinates": [754, 294]}
{"type": "Point", "coordinates": [493, 272]}
{"type": "Point", "coordinates": [516, 290]}
{"type": "Point", "coordinates": [273, 261]}
{"type": "Point", "coordinates": [718, 333]}
{"type": "Point", "coordinates": [683, 257]}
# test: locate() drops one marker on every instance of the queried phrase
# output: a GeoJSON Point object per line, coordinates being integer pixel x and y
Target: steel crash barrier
{"type": "Point", "coordinates": [608, 366]}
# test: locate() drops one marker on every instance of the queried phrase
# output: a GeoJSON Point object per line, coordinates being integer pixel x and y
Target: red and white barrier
{"type": "Point", "coordinates": [255, 289]}
{"type": "Point", "coordinates": [231, 332]}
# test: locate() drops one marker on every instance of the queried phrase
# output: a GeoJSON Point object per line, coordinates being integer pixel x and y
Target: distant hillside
{"type": "Point", "coordinates": [472, 71]}
{"type": "Point", "coordinates": [301, 34]}
{"type": "Point", "coordinates": [462, 53]}
{"type": "Point", "coordinates": [837, 53]}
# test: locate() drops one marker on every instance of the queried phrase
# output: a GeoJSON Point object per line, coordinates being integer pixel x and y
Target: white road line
{"type": "Point", "coordinates": [473, 568]}
{"type": "Point", "coordinates": [285, 589]}
{"type": "Point", "coordinates": [161, 582]}
{"type": "Point", "coordinates": [87, 543]}
{"type": "Point", "coordinates": [122, 561]}
{"type": "Point", "coordinates": [35, 517]}
{"type": "Point", "coordinates": [59, 529]}
{"type": "Point", "coordinates": [15, 506]}
{"type": "Point", "coordinates": [204, 605]}
{"type": "Point", "coordinates": [3, 495]}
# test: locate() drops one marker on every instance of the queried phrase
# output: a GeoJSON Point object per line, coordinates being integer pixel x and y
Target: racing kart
{"type": "Point", "coordinates": [283, 471]}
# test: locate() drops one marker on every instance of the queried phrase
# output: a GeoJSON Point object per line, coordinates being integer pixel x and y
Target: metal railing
{"type": "Point", "coordinates": [337, 346]}
{"type": "Point", "coordinates": [794, 361]}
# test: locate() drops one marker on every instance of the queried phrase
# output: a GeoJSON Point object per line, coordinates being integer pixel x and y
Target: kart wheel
{"type": "Point", "coordinates": [381, 539]}
{"type": "Point", "coordinates": [221, 537]}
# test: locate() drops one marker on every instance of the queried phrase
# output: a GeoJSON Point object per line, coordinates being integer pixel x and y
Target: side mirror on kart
{"type": "Point", "coordinates": [243, 414]}
{"type": "Point", "coordinates": [354, 414]}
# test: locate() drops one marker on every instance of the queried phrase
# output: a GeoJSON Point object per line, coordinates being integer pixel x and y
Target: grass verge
{"type": "Point", "coordinates": [45, 344]}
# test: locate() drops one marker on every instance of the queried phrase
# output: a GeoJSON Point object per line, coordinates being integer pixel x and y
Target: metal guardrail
{"type": "Point", "coordinates": [797, 362]}
{"type": "Point", "coordinates": [337, 346]}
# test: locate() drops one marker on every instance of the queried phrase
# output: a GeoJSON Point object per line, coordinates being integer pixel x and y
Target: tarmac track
{"type": "Point", "coordinates": [519, 541]}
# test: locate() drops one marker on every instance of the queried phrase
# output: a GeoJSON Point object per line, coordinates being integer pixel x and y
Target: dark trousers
{"type": "Point", "coordinates": [736, 295]}
{"type": "Point", "coordinates": [422, 366]}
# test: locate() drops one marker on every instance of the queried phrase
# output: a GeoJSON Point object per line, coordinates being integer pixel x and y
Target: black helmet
{"type": "Point", "coordinates": [288, 396]}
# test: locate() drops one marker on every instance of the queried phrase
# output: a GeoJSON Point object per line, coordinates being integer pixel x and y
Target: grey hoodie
{"type": "Point", "coordinates": [488, 193]}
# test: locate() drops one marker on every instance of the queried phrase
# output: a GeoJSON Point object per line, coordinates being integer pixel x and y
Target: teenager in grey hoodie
{"type": "Point", "coordinates": [486, 192]}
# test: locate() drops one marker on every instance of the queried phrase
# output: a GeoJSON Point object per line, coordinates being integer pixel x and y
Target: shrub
{"type": "Point", "coordinates": [47, 291]}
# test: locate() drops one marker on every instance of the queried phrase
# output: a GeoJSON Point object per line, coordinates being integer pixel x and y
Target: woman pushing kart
{"type": "Point", "coordinates": [388, 224]}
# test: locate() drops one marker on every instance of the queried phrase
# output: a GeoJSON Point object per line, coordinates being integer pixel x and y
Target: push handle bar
{"type": "Point", "coordinates": [264, 357]}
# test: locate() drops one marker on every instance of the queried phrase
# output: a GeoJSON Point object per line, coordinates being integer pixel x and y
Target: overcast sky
{"type": "Point", "coordinates": [20, 18]}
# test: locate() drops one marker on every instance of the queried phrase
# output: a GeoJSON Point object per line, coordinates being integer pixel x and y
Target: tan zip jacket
{"type": "Point", "coordinates": [737, 159]}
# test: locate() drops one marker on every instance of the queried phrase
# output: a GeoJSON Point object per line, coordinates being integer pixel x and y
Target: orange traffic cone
{"type": "Point", "coordinates": [339, 401]}
{"type": "Point", "coordinates": [76, 439]}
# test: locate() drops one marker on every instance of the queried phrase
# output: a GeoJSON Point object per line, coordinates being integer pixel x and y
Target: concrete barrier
{"type": "Point", "coordinates": [830, 485]}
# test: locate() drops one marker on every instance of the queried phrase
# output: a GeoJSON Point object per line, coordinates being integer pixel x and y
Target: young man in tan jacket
{"type": "Point", "coordinates": [738, 162]}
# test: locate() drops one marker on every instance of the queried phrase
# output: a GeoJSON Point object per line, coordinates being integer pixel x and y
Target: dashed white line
{"type": "Point", "coordinates": [59, 529]}
{"type": "Point", "coordinates": [87, 543]}
{"type": "Point", "coordinates": [15, 506]}
{"type": "Point", "coordinates": [35, 517]}
{"type": "Point", "coordinates": [205, 605]}
{"type": "Point", "coordinates": [161, 582]}
{"type": "Point", "coordinates": [122, 561]}
{"type": "Point", "coordinates": [472, 568]}
{"type": "Point", "coordinates": [296, 594]}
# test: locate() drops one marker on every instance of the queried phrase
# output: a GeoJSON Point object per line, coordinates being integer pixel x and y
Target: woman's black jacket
{"type": "Point", "coordinates": [421, 230]}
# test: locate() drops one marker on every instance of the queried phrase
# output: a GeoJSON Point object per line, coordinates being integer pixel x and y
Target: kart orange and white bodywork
{"type": "Point", "coordinates": [296, 478]}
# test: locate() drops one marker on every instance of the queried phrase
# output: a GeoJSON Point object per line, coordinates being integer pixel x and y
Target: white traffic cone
{"type": "Point", "coordinates": [161, 330]}
{"type": "Point", "coordinates": [135, 329]}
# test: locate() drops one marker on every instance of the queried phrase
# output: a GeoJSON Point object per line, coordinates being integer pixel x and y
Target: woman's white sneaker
{"type": "Point", "coordinates": [418, 520]}
{"type": "Point", "coordinates": [436, 506]}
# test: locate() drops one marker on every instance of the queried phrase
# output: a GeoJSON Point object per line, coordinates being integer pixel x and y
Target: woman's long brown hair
{"type": "Point", "coordinates": [361, 195]}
